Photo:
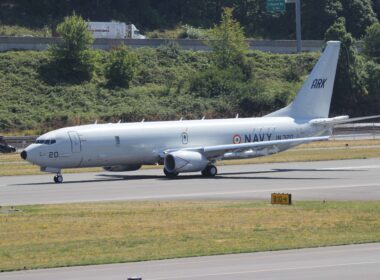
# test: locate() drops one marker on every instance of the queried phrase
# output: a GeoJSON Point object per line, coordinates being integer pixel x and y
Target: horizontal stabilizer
{"type": "Point", "coordinates": [340, 120]}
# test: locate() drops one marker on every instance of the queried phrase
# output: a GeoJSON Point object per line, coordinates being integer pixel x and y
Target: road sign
{"type": "Point", "coordinates": [281, 198]}
{"type": "Point", "coordinates": [275, 6]}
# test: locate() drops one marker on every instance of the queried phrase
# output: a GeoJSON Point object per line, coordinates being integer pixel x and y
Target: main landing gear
{"type": "Point", "coordinates": [58, 178]}
{"type": "Point", "coordinates": [210, 171]}
{"type": "Point", "coordinates": [170, 174]}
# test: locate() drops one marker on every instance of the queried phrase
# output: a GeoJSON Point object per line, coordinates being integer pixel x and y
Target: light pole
{"type": "Point", "coordinates": [298, 22]}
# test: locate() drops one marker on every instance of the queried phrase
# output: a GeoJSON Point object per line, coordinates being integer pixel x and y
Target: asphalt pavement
{"type": "Point", "coordinates": [350, 262]}
{"type": "Point", "coordinates": [324, 180]}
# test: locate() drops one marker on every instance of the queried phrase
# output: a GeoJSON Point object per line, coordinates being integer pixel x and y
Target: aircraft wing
{"type": "Point", "coordinates": [217, 152]}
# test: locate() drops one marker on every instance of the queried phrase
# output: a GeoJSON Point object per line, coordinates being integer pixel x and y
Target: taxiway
{"type": "Point", "coordinates": [324, 180]}
{"type": "Point", "coordinates": [341, 262]}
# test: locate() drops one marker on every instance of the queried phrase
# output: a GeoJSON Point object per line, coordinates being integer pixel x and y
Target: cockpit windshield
{"type": "Point", "coordinates": [46, 142]}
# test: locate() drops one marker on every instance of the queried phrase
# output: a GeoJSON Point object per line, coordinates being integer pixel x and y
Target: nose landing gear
{"type": "Point", "coordinates": [58, 178]}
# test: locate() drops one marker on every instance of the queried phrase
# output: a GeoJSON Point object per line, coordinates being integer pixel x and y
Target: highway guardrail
{"type": "Point", "coordinates": [41, 43]}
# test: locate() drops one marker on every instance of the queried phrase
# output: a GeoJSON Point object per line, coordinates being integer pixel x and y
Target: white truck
{"type": "Point", "coordinates": [114, 30]}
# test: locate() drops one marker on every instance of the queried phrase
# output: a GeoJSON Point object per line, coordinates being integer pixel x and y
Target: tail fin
{"type": "Point", "coordinates": [314, 98]}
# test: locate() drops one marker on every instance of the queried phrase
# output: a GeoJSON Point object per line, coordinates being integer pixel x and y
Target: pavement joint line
{"type": "Point", "coordinates": [253, 191]}
{"type": "Point", "coordinates": [268, 270]}
{"type": "Point", "coordinates": [189, 195]}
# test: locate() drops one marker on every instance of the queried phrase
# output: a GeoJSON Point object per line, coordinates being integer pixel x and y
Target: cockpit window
{"type": "Point", "coordinates": [46, 142]}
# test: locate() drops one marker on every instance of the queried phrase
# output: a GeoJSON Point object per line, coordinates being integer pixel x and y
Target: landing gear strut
{"type": "Point", "coordinates": [210, 171]}
{"type": "Point", "coordinates": [170, 174]}
{"type": "Point", "coordinates": [58, 178]}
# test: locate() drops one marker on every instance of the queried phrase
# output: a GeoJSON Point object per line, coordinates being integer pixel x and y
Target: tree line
{"type": "Point", "coordinates": [230, 71]}
{"type": "Point", "coordinates": [317, 16]}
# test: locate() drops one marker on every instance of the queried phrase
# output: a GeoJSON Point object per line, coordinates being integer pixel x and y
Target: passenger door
{"type": "Point", "coordinates": [75, 142]}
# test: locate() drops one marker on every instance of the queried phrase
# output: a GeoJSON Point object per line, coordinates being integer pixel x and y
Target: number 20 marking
{"type": "Point", "coordinates": [53, 154]}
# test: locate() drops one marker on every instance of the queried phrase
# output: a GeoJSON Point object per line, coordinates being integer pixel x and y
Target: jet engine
{"type": "Point", "coordinates": [120, 168]}
{"type": "Point", "coordinates": [185, 161]}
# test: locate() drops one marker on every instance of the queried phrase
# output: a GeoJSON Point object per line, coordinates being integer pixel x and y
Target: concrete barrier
{"type": "Point", "coordinates": [41, 43]}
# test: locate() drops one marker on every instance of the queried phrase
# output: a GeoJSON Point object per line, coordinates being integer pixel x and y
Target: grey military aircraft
{"type": "Point", "coordinates": [195, 145]}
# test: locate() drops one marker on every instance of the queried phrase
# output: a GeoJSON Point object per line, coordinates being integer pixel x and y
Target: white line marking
{"type": "Point", "coordinates": [351, 167]}
{"type": "Point", "coordinates": [247, 191]}
{"type": "Point", "coordinates": [194, 276]}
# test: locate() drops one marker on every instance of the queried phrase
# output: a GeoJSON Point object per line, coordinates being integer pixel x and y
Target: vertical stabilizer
{"type": "Point", "coordinates": [314, 98]}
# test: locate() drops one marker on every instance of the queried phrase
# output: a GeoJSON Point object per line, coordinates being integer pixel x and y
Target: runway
{"type": "Point", "coordinates": [325, 180]}
{"type": "Point", "coordinates": [342, 262]}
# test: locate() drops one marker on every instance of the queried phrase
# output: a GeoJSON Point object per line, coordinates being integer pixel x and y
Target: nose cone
{"type": "Point", "coordinates": [24, 155]}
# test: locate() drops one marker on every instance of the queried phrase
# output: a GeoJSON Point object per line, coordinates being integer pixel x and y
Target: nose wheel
{"type": "Point", "coordinates": [58, 179]}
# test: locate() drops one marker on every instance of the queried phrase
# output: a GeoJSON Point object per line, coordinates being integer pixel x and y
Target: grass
{"type": "Point", "coordinates": [95, 233]}
{"type": "Point", "coordinates": [14, 30]}
{"type": "Point", "coordinates": [12, 165]}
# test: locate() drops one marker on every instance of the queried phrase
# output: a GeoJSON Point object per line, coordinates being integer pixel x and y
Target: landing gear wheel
{"type": "Point", "coordinates": [58, 179]}
{"type": "Point", "coordinates": [210, 171]}
{"type": "Point", "coordinates": [170, 174]}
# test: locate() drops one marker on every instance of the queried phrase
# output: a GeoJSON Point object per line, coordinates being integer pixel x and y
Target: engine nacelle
{"type": "Point", "coordinates": [120, 168]}
{"type": "Point", "coordinates": [185, 161]}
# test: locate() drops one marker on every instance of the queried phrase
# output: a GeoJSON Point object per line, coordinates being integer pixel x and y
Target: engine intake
{"type": "Point", "coordinates": [185, 161]}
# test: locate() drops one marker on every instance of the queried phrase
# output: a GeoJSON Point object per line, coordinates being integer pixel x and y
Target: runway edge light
{"type": "Point", "coordinates": [281, 198]}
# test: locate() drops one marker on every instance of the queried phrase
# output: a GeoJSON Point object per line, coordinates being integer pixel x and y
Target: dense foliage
{"type": "Point", "coordinates": [317, 16]}
{"type": "Point", "coordinates": [121, 67]}
{"type": "Point", "coordinates": [227, 40]}
{"type": "Point", "coordinates": [371, 42]}
{"type": "Point", "coordinates": [161, 90]}
{"type": "Point", "coordinates": [72, 84]}
{"type": "Point", "coordinates": [72, 60]}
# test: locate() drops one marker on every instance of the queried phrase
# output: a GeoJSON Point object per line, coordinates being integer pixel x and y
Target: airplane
{"type": "Point", "coordinates": [195, 145]}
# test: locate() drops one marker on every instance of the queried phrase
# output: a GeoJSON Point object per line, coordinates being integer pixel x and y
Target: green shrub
{"type": "Point", "coordinates": [121, 67]}
{"type": "Point", "coordinates": [169, 50]}
{"type": "Point", "coordinates": [72, 60]}
{"type": "Point", "coordinates": [371, 42]}
{"type": "Point", "coordinates": [191, 32]}
{"type": "Point", "coordinates": [214, 82]}
{"type": "Point", "coordinates": [227, 40]}
{"type": "Point", "coordinates": [372, 77]}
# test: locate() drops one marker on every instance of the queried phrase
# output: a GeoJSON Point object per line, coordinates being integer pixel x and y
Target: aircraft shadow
{"type": "Point", "coordinates": [223, 175]}
{"type": "Point", "coordinates": [220, 176]}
